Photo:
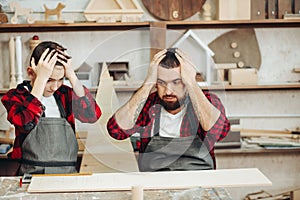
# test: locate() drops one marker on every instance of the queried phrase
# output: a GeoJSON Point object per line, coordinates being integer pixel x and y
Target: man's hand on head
{"type": "Point", "coordinates": [152, 71]}
{"type": "Point", "coordinates": [188, 69]}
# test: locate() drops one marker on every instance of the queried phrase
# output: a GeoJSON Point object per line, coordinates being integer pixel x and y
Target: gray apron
{"type": "Point", "coordinates": [170, 154]}
{"type": "Point", "coordinates": [51, 147]}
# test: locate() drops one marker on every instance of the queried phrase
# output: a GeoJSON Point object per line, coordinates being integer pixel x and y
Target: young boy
{"type": "Point", "coordinates": [43, 112]}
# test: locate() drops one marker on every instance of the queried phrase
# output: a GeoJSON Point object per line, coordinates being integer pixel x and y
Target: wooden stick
{"type": "Point", "coordinates": [269, 133]}
{"type": "Point", "coordinates": [137, 192]}
{"type": "Point", "coordinates": [71, 174]}
{"type": "Point", "coordinates": [264, 131]}
{"type": "Point", "coordinates": [6, 140]}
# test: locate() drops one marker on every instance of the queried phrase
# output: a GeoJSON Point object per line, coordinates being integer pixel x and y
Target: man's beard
{"type": "Point", "coordinates": [169, 106]}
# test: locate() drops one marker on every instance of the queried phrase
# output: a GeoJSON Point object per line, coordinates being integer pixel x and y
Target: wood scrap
{"type": "Point", "coordinates": [265, 131]}
{"type": "Point", "coordinates": [296, 70]}
{"type": "Point", "coordinates": [268, 142]}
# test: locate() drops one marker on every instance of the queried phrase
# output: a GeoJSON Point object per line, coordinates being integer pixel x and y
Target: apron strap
{"type": "Point", "coordinates": [193, 122]}
{"type": "Point", "coordinates": [61, 108]}
{"type": "Point", "coordinates": [57, 99]}
{"type": "Point", "coordinates": [157, 122]}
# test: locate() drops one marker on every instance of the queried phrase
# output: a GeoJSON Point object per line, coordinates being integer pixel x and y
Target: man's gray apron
{"type": "Point", "coordinates": [170, 154]}
{"type": "Point", "coordinates": [51, 147]}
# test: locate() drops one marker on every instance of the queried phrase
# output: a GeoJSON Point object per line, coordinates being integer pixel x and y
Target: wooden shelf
{"type": "Point", "coordinates": [48, 27]}
{"type": "Point", "coordinates": [268, 23]}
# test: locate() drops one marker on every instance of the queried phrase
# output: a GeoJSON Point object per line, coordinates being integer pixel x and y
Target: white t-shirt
{"type": "Point", "coordinates": [51, 107]}
{"type": "Point", "coordinates": [170, 124]}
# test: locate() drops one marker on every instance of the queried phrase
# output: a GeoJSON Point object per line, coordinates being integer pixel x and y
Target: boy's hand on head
{"type": "Point", "coordinates": [65, 60]}
{"type": "Point", "coordinates": [152, 71]}
{"type": "Point", "coordinates": [188, 69]}
{"type": "Point", "coordinates": [45, 65]}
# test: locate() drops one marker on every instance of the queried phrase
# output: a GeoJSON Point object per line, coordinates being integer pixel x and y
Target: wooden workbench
{"type": "Point", "coordinates": [10, 189]}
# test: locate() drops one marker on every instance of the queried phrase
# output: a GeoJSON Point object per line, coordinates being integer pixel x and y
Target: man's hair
{"type": "Point", "coordinates": [41, 47]}
{"type": "Point", "coordinates": [170, 61]}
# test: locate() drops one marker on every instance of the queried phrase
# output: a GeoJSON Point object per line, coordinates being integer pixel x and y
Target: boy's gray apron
{"type": "Point", "coordinates": [169, 154]}
{"type": "Point", "coordinates": [51, 147]}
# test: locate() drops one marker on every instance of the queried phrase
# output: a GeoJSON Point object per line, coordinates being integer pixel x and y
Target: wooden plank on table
{"type": "Point", "coordinates": [151, 180]}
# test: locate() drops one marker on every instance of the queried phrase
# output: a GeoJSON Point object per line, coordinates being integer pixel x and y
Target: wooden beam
{"type": "Point", "coordinates": [157, 37]}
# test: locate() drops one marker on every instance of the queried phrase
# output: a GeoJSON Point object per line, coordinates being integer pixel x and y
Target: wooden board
{"type": "Point", "coordinates": [104, 154]}
{"type": "Point", "coordinates": [151, 180]}
{"type": "Point", "coordinates": [173, 9]}
{"type": "Point", "coordinates": [157, 37]}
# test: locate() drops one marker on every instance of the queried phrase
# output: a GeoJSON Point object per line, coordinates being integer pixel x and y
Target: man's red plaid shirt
{"type": "Point", "coordinates": [146, 118]}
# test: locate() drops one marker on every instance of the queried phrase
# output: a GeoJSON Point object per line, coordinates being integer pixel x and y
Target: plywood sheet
{"type": "Point", "coordinates": [150, 180]}
{"type": "Point", "coordinates": [104, 154]}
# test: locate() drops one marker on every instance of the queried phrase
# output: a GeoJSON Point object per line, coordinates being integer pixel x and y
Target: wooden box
{"type": "Point", "coordinates": [233, 9]}
{"type": "Point", "coordinates": [246, 76]}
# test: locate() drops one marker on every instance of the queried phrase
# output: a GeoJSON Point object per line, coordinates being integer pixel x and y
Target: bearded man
{"type": "Point", "coordinates": [178, 123]}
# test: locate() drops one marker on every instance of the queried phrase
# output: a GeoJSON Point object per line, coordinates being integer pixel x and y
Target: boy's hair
{"type": "Point", "coordinates": [41, 47]}
{"type": "Point", "coordinates": [170, 60]}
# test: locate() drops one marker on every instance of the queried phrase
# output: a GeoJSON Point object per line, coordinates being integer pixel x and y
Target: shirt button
{"type": "Point", "coordinates": [153, 114]}
{"type": "Point", "coordinates": [29, 126]}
